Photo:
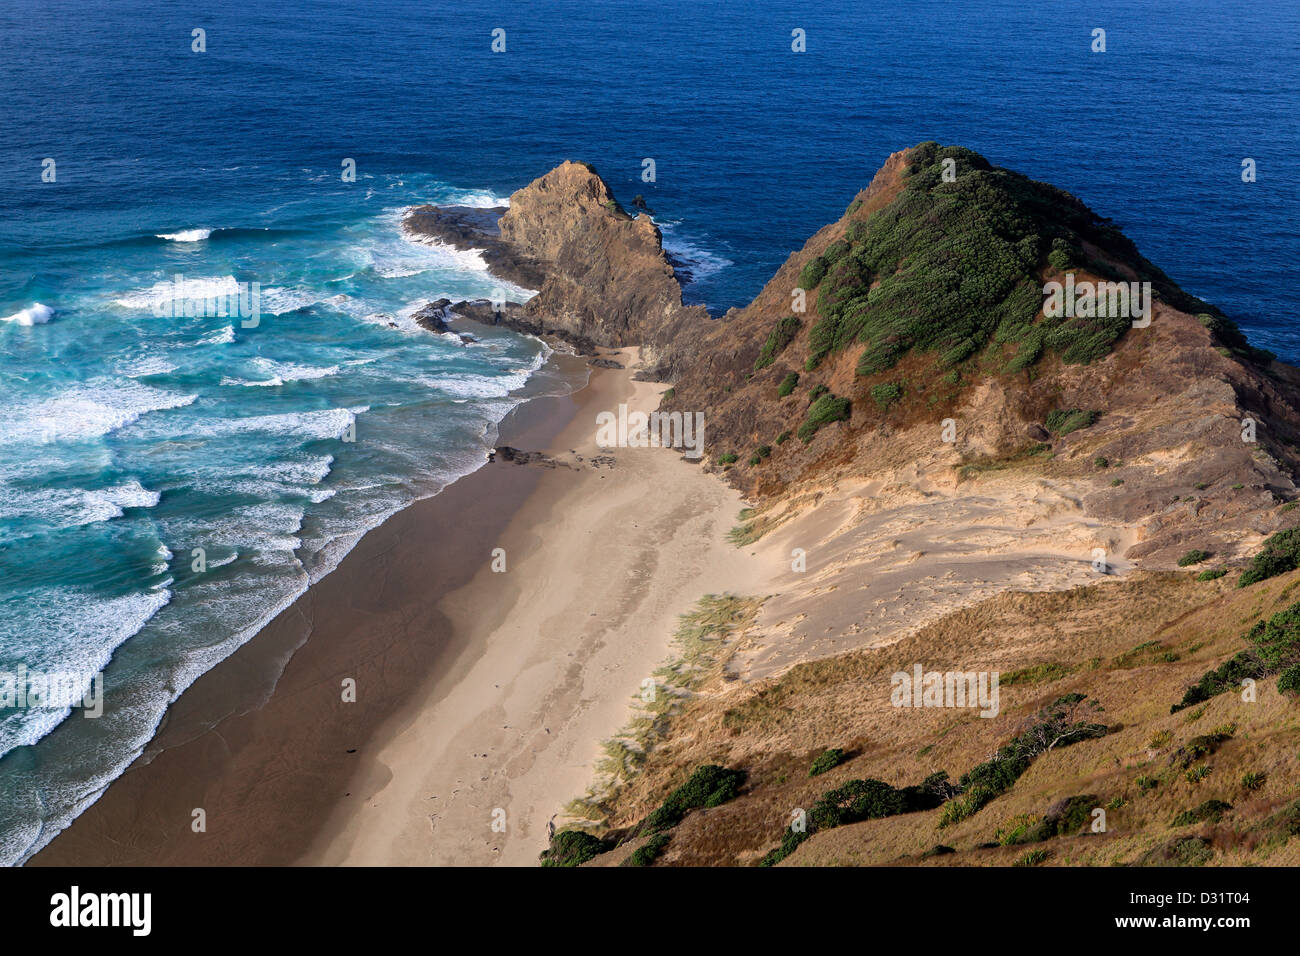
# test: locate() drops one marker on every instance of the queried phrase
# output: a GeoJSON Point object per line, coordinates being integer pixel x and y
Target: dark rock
{"type": "Point", "coordinates": [937, 850]}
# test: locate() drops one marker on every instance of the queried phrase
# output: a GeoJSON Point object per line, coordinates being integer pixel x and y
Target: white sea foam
{"type": "Point", "coordinates": [221, 336]}
{"type": "Point", "coordinates": [36, 314]}
{"type": "Point", "coordinates": [66, 630]}
{"type": "Point", "coordinates": [282, 372]}
{"type": "Point", "coordinates": [186, 235]}
{"type": "Point", "coordinates": [698, 261]}
{"type": "Point", "coordinates": [86, 411]}
{"type": "Point", "coordinates": [143, 365]}
{"type": "Point", "coordinates": [71, 507]}
{"type": "Point", "coordinates": [161, 294]}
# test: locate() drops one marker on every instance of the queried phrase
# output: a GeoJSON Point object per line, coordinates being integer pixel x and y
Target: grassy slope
{"type": "Point", "coordinates": [774, 729]}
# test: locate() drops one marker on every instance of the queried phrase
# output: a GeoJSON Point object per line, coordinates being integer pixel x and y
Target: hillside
{"type": "Point", "coordinates": [967, 483]}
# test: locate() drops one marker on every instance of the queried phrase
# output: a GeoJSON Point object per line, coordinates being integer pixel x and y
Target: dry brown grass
{"type": "Point", "coordinates": [1133, 644]}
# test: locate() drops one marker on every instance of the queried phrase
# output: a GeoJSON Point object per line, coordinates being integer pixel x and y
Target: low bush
{"type": "Point", "coordinates": [826, 760]}
{"type": "Point", "coordinates": [1065, 420]}
{"type": "Point", "coordinates": [1280, 554]}
{"type": "Point", "coordinates": [827, 409]}
{"type": "Point", "coordinates": [708, 786]}
{"type": "Point", "coordinates": [885, 395]}
{"type": "Point", "coordinates": [572, 848]}
{"type": "Point", "coordinates": [782, 334]}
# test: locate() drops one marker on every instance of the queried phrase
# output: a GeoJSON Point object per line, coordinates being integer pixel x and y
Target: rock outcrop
{"type": "Point", "coordinates": [602, 275]}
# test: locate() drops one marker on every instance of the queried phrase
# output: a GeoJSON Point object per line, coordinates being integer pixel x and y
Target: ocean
{"type": "Point", "coordinates": [138, 443]}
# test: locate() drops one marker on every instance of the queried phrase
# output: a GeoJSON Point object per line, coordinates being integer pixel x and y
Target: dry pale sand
{"type": "Point", "coordinates": [600, 561]}
{"type": "Point", "coordinates": [883, 558]}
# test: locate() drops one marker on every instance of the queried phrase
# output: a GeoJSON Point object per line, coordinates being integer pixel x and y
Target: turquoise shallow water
{"type": "Point", "coordinates": [131, 439]}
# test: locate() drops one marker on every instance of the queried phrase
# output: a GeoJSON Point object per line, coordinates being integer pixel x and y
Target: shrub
{"type": "Point", "coordinates": [1016, 829]}
{"type": "Point", "coordinates": [967, 805]}
{"type": "Point", "coordinates": [1063, 818]}
{"type": "Point", "coordinates": [1032, 858]}
{"type": "Point", "coordinates": [1195, 556]}
{"type": "Point", "coordinates": [1276, 648]}
{"type": "Point", "coordinates": [1280, 554]}
{"type": "Point", "coordinates": [1063, 421]}
{"type": "Point", "coordinates": [827, 409]}
{"type": "Point", "coordinates": [709, 786]}
{"type": "Point", "coordinates": [647, 853]}
{"type": "Point", "coordinates": [790, 841]}
{"type": "Point", "coordinates": [1115, 483]}
{"type": "Point", "coordinates": [760, 454]}
{"type": "Point", "coordinates": [729, 458]}
{"type": "Point", "coordinates": [885, 395]}
{"type": "Point", "coordinates": [812, 274]}
{"type": "Point", "coordinates": [782, 438]}
{"type": "Point", "coordinates": [1101, 461]}
{"type": "Point", "coordinates": [1252, 780]}
{"type": "Point", "coordinates": [1289, 681]}
{"type": "Point", "coordinates": [816, 392]}
{"type": "Point", "coordinates": [827, 760]}
{"type": "Point", "coordinates": [1211, 810]}
{"type": "Point", "coordinates": [572, 848]}
{"type": "Point", "coordinates": [1212, 574]}
{"type": "Point", "coordinates": [787, 384]}
{"type": "Point", "coordinates": [781, 335]}
{"type": "Point", "coordinates": [1147, 782]}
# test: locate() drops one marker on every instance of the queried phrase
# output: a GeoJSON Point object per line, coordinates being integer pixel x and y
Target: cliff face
{"type": "Point", "coordinates": [602, 275]}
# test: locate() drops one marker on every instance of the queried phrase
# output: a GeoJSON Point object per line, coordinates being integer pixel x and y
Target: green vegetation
{"type": "Point", "coordinates": [827, 760]}
{"type": "Point", "coordinates": [572, 848]}
{"type": "Point", "coordinates": [1059, 724]}
{"type": "Point", "coordinates": [782, 334]}
{"type": "Point", "coordinates": [1211, 810]}
{"type": "Point", "coordinates": [760, 454]}
{"type": "Point", "coordinates": [729, 458]}
{"type": "Point", "coordinates": [782, 438]}
{"type": "Point", "coordinates": [827, 409]}
{"type": "Point", "coordinates": [1252, 780]}
{"type": "Point", "coordinates": [1101, 461]}
{"type": "Point", "coordinates": [787, 385]}
{"type": "Point", "coordinates": [1275, 650]}
{"type": "Point", "coordinates": [646, 854]}
{"type": "Point", "coordinates": [816, 392]}
{"type": "Point", "coordinates": [956, 268]}
{"type": "Point", "coordinates": [1212, 574]}
{"type": "Point", "coordinates": [1289, 680]}
{"type": "Point", "coordinates": [1280, 554]}
{"type": "Point", "coordinates": [1038, 674]}
{"type": "Point", "coordinates": [885, 395]}
{"type": "Point", "coordinates": [1195, 556]}
{"type": "Point", "coordinates": [1065, 420]}
{"type": "Point", "coordinates": [1032, 858]}
{"type": "Point", "coordinates": [709, 786]}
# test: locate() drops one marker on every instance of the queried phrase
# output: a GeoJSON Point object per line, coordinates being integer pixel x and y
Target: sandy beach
{"type": "Point", "coordinates": [480, 695]}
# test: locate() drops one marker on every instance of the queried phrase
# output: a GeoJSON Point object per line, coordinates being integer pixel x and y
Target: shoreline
{"type": "Point", "coordinates": [290, 775]}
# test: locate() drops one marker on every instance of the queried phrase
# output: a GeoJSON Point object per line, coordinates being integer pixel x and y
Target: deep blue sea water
{"type": "Point", "coordinates": [127, 439]}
